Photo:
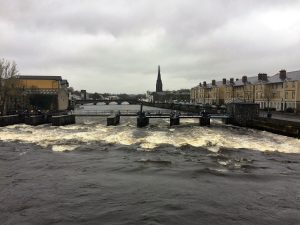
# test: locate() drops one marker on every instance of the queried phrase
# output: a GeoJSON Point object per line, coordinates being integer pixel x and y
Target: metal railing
{"type": "Point", "coordinates": [121, 112]}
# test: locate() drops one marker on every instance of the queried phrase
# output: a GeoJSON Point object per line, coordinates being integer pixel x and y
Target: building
{"type": "Point", "coordinates": [83, 95]}
{"type": "Point", "coordinates": [159, 86]}
{"type": "Point", "coordinates": [279, 92]}
{"type": "Point", "coordinates": [282, 91]}
{"type": "Point", "coordinates": [182, 95]}
{"type": "Point", "coordinates": [45, 92]}
{"type": "Point", "coordinates": [241, 90]}
{"type": "Point", "coordinates": [178, 96]}
{"type": "Point", "coordinates": [209, 94]}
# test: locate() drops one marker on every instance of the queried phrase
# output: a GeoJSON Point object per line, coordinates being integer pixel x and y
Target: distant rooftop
{"type": "Point", "coordinates": [39, 77]}
{"type": "Point", "coordinates": [290, 76]}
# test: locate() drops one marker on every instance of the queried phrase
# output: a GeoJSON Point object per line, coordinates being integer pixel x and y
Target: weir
{"type": "Point", "coordinates": [142, 120]}
{"type": "Point", "coordinates": [10, 120]}
{"type": "Point", "coordinates": [113, 120]}
{"type": "Point", "coordinates": [62, 120]}
{"type": "Point", "coordinates": [36, 120]}
{"type": "Point", "coordinates": [174, 119]}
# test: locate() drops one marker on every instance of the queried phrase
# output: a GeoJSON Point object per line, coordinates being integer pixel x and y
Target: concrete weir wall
{"type": "Point", "coordinates": [10, 120]}
{"type": "Point", "coordinates": [113, 120]}
{"type": "Point", "coordinates": [62, 120]}
{"type": "Point", "coordinates": [36, 120]}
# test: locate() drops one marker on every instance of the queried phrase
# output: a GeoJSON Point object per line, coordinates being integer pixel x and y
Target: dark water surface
{"type": "Point", "coordinates": [91, 174]}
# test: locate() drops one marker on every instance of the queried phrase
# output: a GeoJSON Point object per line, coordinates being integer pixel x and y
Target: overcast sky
{"type": "Point", "coordinates": [116, 45]}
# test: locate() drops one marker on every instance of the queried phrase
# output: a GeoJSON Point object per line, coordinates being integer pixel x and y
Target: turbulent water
{"type": "Point", "coordinates": [89, 173]}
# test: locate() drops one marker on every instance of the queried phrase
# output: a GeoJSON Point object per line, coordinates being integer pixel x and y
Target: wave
{"type": "Point", "coordinates": [214, 138]}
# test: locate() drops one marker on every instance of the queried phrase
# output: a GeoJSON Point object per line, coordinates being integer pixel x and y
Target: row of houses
{"type": "Point", "coordinates": [278, 92]}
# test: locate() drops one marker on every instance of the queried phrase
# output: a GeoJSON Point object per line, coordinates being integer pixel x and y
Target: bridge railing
{"type": "Point", "coordinates": [109, 112]}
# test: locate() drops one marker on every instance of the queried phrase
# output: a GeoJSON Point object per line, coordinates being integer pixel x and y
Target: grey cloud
{"type": "Point", "coordinates": [116, 45]}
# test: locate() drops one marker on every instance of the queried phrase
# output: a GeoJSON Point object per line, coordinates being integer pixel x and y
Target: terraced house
{"type": "Point", "coordinates": [283, 91]}
{"type": "Point", "coordinates": [279, 92]}
{"type": "Point", "coordinates": [212, 94]}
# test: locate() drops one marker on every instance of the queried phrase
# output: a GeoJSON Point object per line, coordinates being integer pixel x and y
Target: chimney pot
{"type": "Point", "coordinates": [282, 74]}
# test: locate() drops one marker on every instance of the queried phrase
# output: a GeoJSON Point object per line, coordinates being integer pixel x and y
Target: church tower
{"type": "Point", "coordinates": [159, 82]}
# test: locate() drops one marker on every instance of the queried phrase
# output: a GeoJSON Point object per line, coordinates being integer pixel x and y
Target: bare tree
{"type": "Point", "coordinates": [8, 85]}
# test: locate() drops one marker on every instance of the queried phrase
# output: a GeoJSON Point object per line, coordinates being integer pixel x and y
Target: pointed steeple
{"type": "Point", "coordinates": [159, 82]}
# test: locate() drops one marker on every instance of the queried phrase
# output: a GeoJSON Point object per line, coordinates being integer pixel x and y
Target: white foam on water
{"type": "Point", "coordinates": [212, 138]}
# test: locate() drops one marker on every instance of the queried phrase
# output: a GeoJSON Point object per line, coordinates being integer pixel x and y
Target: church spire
{"type": "Point", "coordinates": [159, 82]}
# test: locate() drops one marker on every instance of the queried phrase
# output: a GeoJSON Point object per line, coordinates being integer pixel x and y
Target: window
{"type": "Point", "coordinates": [286, 94]}
{"type": "Point", "coordinates": [286, 84]}
{"type": "Point", "coordinates": [293, 95]}
{"type": "Point", "coordinates": [293, 84]}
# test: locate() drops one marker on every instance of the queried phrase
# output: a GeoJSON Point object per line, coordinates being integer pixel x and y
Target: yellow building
{"type": "Point", "coordinates": [279, 92]}
{"type": "Point", "coordinates": [45, 92]}
{"type": "Point", "coordinates": [282, 91]}
{"type": "Point", "coordinates": [212, 93]}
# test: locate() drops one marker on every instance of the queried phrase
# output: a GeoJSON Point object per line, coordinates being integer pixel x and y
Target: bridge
{"type": "Point", "coordinates": [113, 117]}
{"type": "Point", "coordinates": [107, 102]}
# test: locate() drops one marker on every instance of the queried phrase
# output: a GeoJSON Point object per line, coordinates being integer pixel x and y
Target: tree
{"type": "Point", "coordinates": [8, 85]}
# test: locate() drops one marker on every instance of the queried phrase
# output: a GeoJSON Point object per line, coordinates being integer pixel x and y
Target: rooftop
{"type": "Point", "coordinates": [290, 76]}
{"type": "Point", "coordinates": [39, 77]}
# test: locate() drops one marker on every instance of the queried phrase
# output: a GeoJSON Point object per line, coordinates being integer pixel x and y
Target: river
{"type": "Point", "coordinates": [88, 173]}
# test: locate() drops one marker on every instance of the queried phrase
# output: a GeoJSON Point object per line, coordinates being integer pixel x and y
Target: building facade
{"type": "Point", "coordinates": [209, 94]}
{"type": "Point", "coordinates": [45, 92]}
{"type": "Point", "coordinates": [279, 92]}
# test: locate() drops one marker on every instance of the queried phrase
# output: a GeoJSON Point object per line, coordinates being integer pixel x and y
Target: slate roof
{"type": "Point", "coordinates": [250, 80]}
{"type": "Point", "coordinates": [290, 76]}
{"type": "Point", "coordinates": [34, 77]}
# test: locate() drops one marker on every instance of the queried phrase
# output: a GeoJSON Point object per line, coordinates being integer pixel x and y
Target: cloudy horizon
{"type": "Point", "coordinates": [116, 45]}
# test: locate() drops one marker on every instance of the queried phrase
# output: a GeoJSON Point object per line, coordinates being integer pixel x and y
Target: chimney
{"type": "Point", "coordinates": [204, 83]}
{"type": "Point", "coordinates": [224, 80]}
{"type": "Point", "coordinates": [262, 77]}
{"type": "Point", "coordinates": [200, 84]}
{"type": "Point", "coordinates": [231, 81]}
{"type": "Point", "coordinates": [244, 79]}
{"type": "Point", "coordinates": [236, 79]}
{"type": "Point", "coordinates": [213, 82]}
{"type": "Point", "coordinates": [282, 74]}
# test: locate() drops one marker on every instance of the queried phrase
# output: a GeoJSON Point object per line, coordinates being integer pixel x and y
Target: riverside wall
{"type": "Point", "coordinates": [283, 127]}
